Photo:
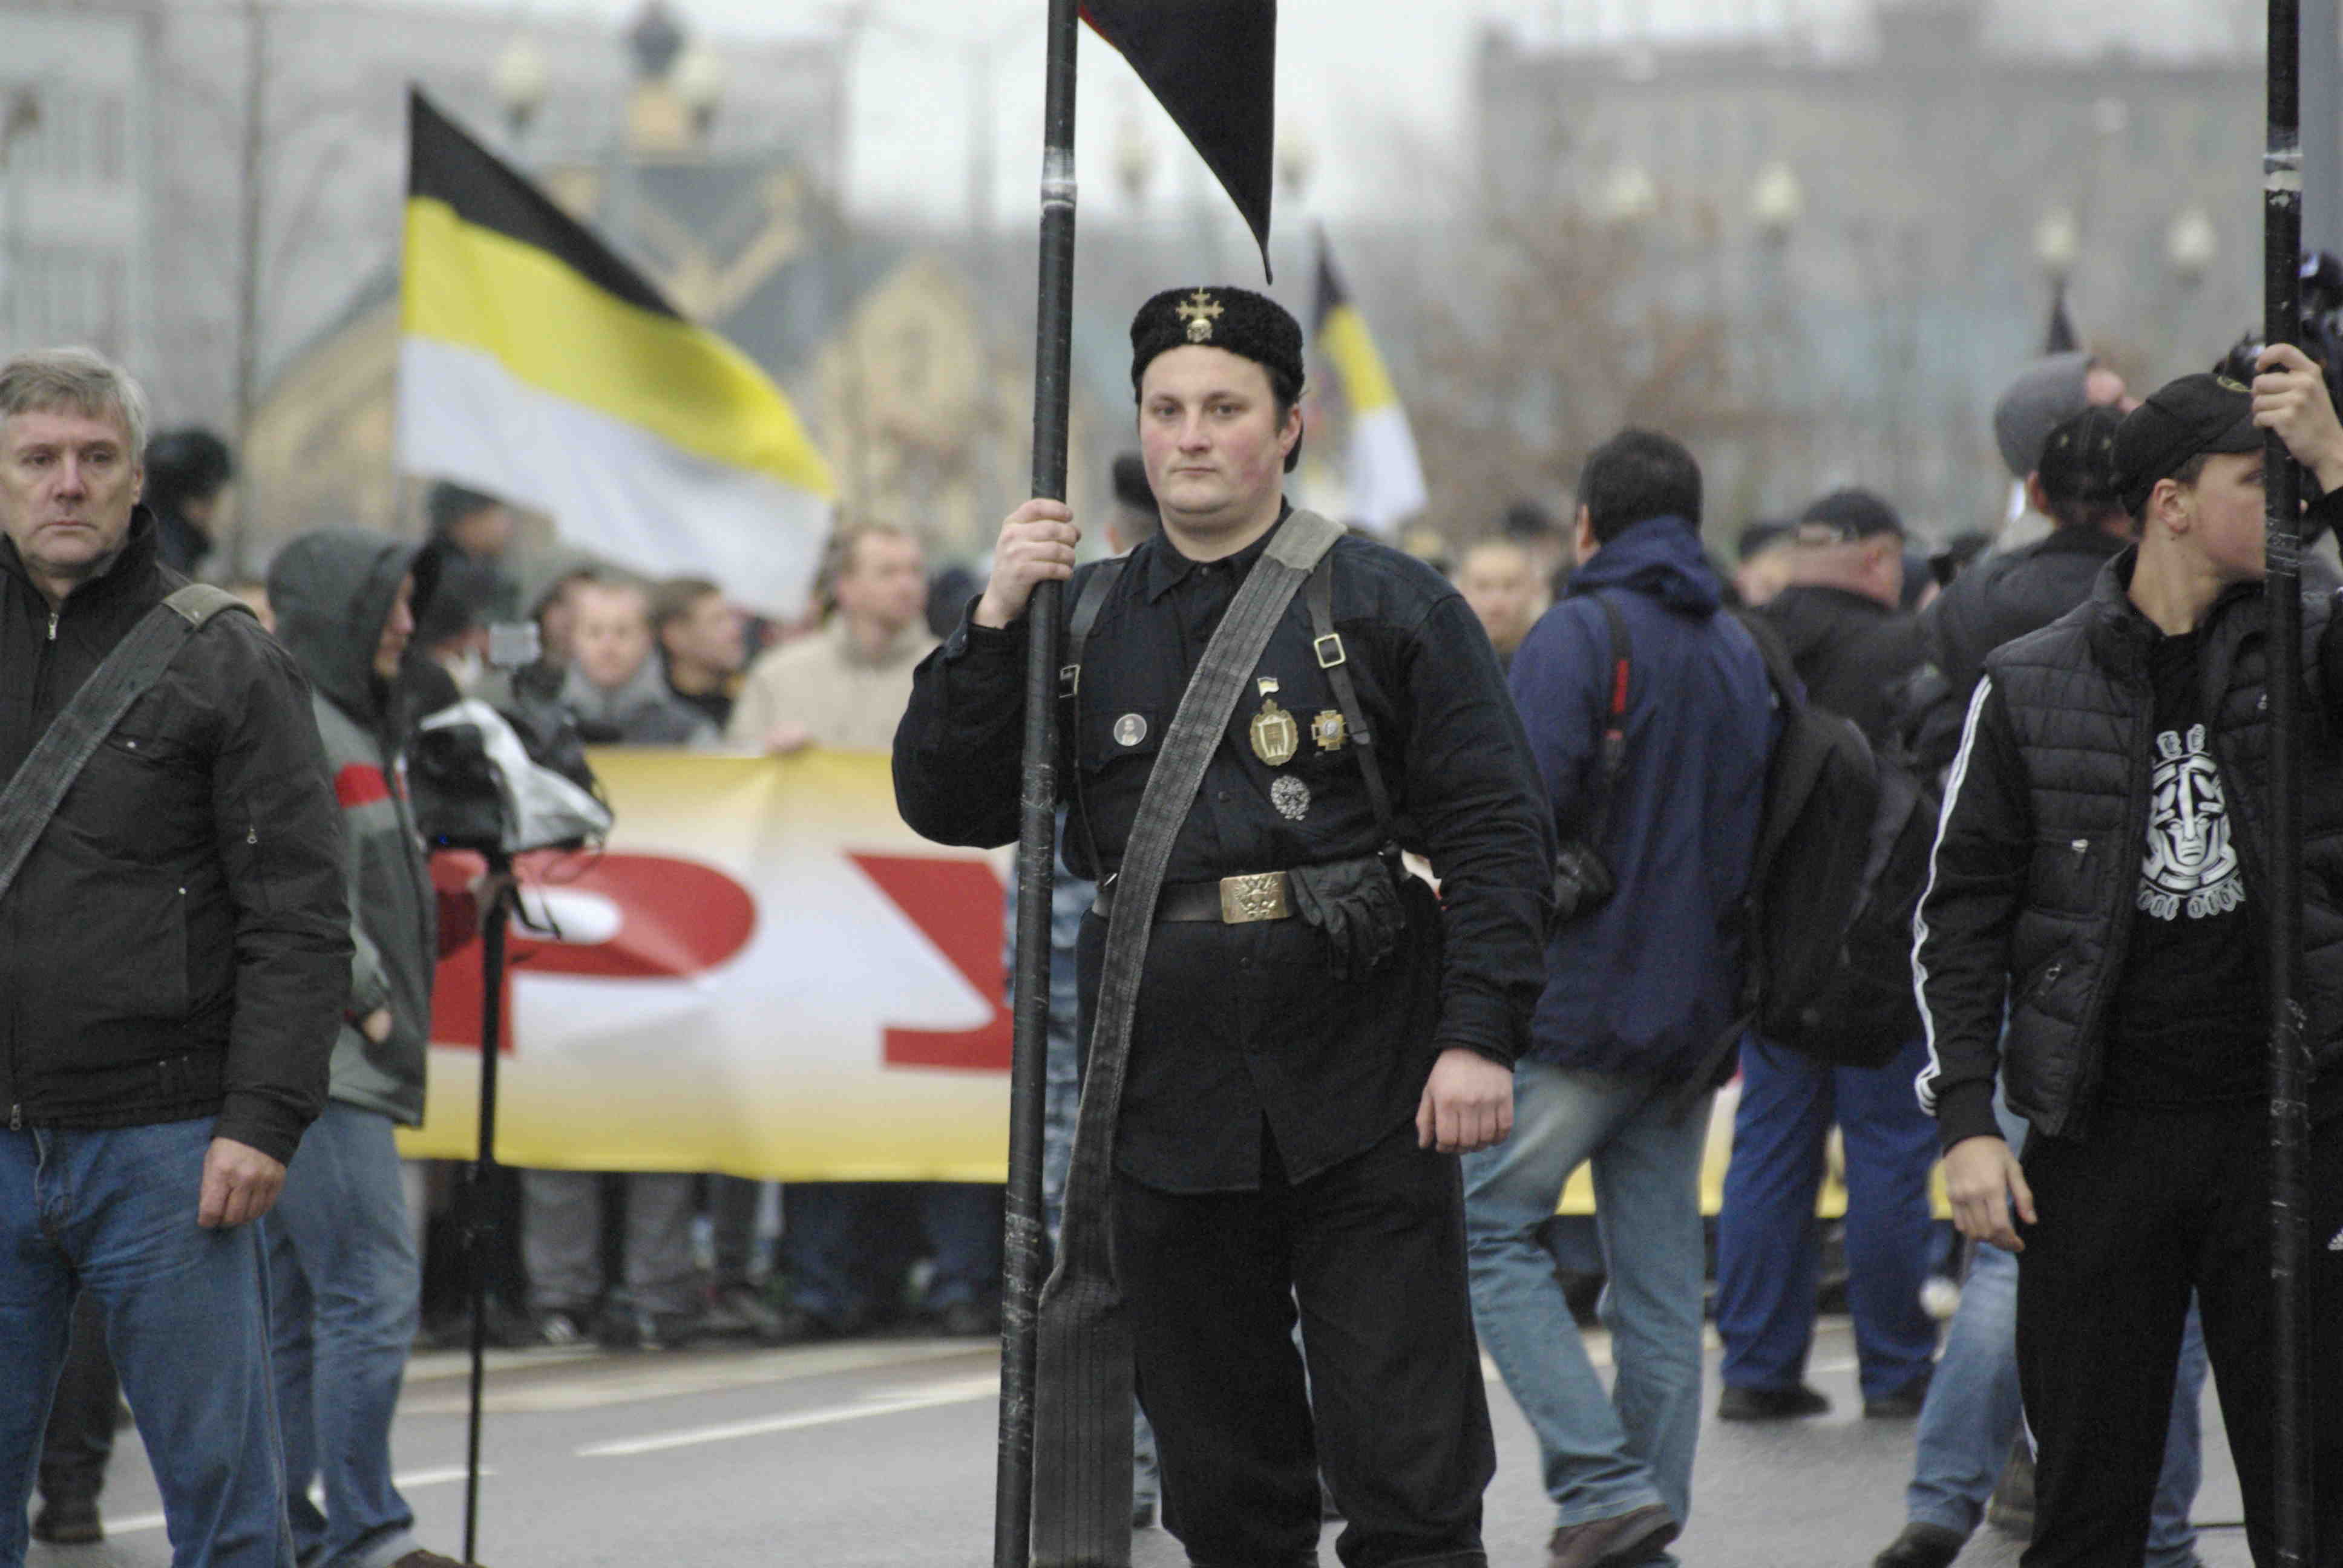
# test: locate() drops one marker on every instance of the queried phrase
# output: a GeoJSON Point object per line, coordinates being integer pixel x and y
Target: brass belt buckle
{"type": "Point", "coordinates": [1259, 896]}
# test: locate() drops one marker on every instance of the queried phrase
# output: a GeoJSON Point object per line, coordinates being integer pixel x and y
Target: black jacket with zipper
{"type": "Point", "coordinates": [177, 944]}
{"type": "Point", "coordinates": [2031, 890]}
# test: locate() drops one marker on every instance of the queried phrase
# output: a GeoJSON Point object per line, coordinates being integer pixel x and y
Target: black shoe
{"type": "Point", "coordinates": [798, 1327]}
{"type": "Point", "coordinates": [1905, 1403]}
{"type": "Point", "coordinates": [667, 1330]}
{"type": "Point", "coordinates": [560, 1329]}
{"type": "Point", "coordinates": [69, 1523]}
{"type": "Point", "coordinates": [1921, 1546]}
{"type": "Point", "coordinates": [969, 1321]}
{"type": "Point", "coordinates": [1737, 1403]}
{"type": "Point", "coordinates": [1624, 1539]}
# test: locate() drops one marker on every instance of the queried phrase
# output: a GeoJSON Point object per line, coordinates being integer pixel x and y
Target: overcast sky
{"type": "Point", "coordinates": [1362, 76]}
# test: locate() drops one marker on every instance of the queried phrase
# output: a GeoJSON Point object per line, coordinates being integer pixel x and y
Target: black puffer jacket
{"type": "Point", "coordinates": [1999, 599]}
{"type": "Point", "coordinates": [1852, 651]}
{"type": "Point", "coordinates": [2037, 864]}
{"type": "Point", "coordinates": [177, 944]}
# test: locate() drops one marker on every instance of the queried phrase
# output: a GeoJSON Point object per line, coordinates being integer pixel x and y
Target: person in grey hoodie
{"type": "Point", "coordinates": [344, 1287]}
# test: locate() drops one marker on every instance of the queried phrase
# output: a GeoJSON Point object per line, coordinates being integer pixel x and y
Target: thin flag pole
{"type": "Point", "coordinates": [1013, 1532]}
{"type": "Point", "coordinates": [479, 1221]}
{"type": "Point", "coordinates": [2288, 1128]}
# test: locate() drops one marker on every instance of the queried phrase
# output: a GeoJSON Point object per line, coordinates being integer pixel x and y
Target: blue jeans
{"type": "Point", "coordinates": [187, 1318]}
{"type": "Point", "coordinates": [1603, 1454]}
{"type": "Point", "coordinates": [345, 1293]}
{"type": "Point", "coordinates": [1972, 1410]}
{"type": "Point", "coordinates": [1769, 1241]}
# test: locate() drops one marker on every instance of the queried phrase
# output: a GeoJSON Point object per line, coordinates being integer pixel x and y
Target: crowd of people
{"type": "Point", "coordinates": [1342, 1106]}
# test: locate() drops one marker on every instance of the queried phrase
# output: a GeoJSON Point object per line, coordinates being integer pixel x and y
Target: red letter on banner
{"type": "Point", "coordinates": [957, 905]}
{"type": "Point", "coordinates": [676, 917]}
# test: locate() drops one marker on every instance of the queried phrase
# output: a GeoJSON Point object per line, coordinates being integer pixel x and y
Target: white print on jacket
{"type": "Point", "coordinates": [2190, 862]}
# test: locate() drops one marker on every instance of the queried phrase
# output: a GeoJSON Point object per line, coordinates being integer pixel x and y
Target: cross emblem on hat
{"type": "Point", "coordinates": [1200, 310]}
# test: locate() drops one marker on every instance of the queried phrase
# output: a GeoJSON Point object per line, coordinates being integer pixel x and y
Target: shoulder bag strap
{"type": "Point", "coordinates": [1081, 1456]}
{"type": "Point", "coordinates": [127, 674]}
{"type": "Point", "coordinates": [1326, 643]}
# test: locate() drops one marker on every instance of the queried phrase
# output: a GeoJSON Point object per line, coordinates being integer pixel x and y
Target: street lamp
{"type": "Point", "coordinates": [699, 80]}
{"type": "Point", "coordinates": [1134, 160]}
{"type": "Point", "coordinates": [2190, 245]}
{"type": "Point", "coordinates": [1777, 202]}
{"type": "Point", "coordinates": [520, 81]}
{"type": "Point", "coordinates": [1628, 196]}
{"type": "Point", "coordinates": [2057, 242]}
{"type": "Point", "coordinates": [19, 118]}
{"type": "Point", "coordinates": [1297, 161]}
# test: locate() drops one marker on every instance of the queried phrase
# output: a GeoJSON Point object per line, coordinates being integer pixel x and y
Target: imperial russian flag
{"type": "Point", "coordinates": [1383, 476]}
{"type": "Point", "coordinates": [537, 366]}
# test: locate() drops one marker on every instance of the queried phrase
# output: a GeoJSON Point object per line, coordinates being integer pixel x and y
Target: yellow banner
{"type": "Point", "coordinates": [766, 974]}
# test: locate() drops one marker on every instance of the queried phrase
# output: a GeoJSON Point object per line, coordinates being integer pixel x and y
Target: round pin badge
{"type": "Point", "coordinates": [1130, 729]}
{"type": "Point", "coordinates": [1291, 796]}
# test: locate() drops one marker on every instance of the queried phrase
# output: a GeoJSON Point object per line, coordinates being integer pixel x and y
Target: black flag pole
{"type": "Point", "coordinates": [479, 1219]}
{"type": "Point", "coordinates": [2288, 1114]}
{"type": "Point", "coordinates": [1037, 838]}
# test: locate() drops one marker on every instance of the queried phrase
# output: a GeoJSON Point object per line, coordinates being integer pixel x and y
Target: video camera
{"type": "Point", "coordinates": [503, 782]}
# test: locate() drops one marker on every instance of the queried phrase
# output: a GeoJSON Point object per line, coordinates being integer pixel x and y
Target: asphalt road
{"type": "Point", "coordinates": [880, 1455]}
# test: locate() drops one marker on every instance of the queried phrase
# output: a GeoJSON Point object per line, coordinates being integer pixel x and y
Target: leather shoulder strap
{"type": "Point", "coordinates": [125, 674]}
{"type": "Point", "coordinates": [1326, 644]}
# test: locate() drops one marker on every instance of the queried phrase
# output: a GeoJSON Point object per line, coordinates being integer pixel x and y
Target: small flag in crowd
{"type": "Point", "coordinates": [537, 366]}
{"type": "Point", "coordinates": [1212, 64]}
{"type": "Point", "coordinates": [1384, 480]}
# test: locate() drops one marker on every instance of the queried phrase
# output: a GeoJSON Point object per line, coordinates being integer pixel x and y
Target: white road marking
{"type": "Point", "coordinates": [962, 1392]}
{"type": "Point", "coordinates": [133, 1524]}
{"type": "Point", "coordinates": [594, 1379]}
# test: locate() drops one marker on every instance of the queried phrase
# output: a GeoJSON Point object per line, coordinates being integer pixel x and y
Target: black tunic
{"type": "Point", "coordinates": [1243, 1026]}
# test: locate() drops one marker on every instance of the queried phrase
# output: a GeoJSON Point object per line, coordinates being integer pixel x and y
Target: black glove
{"type": "Point", "coordinates": [1357, 905]}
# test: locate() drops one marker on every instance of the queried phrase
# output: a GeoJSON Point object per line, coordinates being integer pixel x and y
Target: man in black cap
{"type": "Point", "coordinates": [1851, 645]}
{"type": "Point", "coordinates": [1971, 1413]}
{"type": "Point", "coordinates": [2101, 873]}
{"type": "Point", "coordinates": [1315, 1038]}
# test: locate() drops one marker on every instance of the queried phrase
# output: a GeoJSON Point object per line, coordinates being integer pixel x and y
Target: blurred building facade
{"type": "Point", "coordinates": [1881, 233]}
{"type": "Point", "coordinates": [78, 175]}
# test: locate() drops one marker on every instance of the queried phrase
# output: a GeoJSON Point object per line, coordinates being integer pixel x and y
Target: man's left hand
{"type": "Point", "coordinates": [2290, 398]}
{"type": "Point", "coordinates": [240, 1184]}
{"type": "Point", "coordinates": [1468, 1103]}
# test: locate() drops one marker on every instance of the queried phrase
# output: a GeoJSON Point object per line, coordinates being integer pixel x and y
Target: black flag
{"type": "Point", "coordinates": [1212, 64]}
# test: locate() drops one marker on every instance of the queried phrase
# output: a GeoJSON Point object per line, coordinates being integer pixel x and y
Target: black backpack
{"type": "Point", "coordinates": [1842, 859]}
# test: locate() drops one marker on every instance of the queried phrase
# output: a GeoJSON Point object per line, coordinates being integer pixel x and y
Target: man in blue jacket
{"type": "Point", "coordinates": [1637, 990]}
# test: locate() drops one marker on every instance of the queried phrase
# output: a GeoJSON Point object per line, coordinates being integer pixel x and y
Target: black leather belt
{"type": "Point", "coordinates": [1231, 900]}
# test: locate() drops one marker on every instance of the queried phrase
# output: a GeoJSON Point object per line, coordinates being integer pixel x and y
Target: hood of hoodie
{"type": "Point", "coordinates": [331, 592]}
{"type": "Point", "coordinates": [1660, 558]}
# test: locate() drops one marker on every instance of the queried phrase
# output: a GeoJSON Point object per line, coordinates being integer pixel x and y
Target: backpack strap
{"type": "Point", "coordinates": [1318, 594]}
{"type": "Point", "coordinates": [1612, 749]}
{"type": "Point", "coordinates": [127, 674]}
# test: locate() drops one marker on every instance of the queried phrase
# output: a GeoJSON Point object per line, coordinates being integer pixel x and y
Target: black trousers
{"type": "Point", "coordinates": [2147, 1207]}
{"type": "Point", "coordinates": [80, 1436]}
{"type": "Point", "coordinates": [1392, 1408]}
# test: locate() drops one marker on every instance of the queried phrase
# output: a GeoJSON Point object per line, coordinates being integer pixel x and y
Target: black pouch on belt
{"type": "Point", "coordinates": [1357, 904]}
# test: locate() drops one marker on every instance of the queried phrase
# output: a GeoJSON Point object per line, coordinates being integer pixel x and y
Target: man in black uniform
{"type": "Point", "coordinates": [1302, 1076]}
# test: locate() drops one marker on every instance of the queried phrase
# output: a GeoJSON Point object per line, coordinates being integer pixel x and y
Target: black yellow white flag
{"type": "Point", "coordinates": [1381, 476]}
{"type": "Point", "coordinates": [537, 366]}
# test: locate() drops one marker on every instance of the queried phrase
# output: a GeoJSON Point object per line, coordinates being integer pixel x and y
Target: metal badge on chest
{"type": "Point", "coordinates": [1275, 737]}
